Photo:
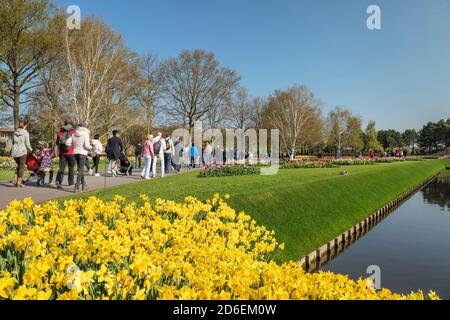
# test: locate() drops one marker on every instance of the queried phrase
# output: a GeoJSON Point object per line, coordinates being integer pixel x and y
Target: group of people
{"type": "Point", "coordinates": [154, 149]}
{"type": "Point", "coordinates": [174, 153]}
{"type": "Point", "coordinates": [399, 153]}
{"type": "Point", "coordinates": [74, 146]}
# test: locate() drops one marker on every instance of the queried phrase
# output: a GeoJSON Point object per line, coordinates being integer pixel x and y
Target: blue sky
{"type": "Point", "coordinates": [398, 76]}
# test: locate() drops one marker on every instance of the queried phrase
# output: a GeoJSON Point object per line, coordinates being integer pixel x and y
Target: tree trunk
{"type": "Point", "coordinates": [16, 108]}
{"type": "Point", "coordinates": [149, 118]}
{"type": "Point", "coordinates": [149, 121]}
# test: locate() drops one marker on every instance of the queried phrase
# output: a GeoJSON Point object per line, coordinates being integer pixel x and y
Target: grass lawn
{"type": "Point", "coordinates": [6, 175]}
{"type": "Point", "coordinates": [305, 207]}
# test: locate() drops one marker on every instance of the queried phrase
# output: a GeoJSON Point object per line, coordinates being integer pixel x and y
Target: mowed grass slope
{"type": "Point", "coordinates": [305, 207]}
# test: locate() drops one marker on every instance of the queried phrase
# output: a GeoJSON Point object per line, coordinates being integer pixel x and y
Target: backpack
{"type": "Point", "coordinates": [8, 146]}
{"type": "Point", "coordinates": [63, 141]}
{"type": "Point", "coordinates": [157, 147]}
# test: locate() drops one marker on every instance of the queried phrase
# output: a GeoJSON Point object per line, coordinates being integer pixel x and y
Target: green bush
{"type": "Point", "coordinates": [228, 171]}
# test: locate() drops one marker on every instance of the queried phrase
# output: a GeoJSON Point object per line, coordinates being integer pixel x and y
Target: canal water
{"type": "Point", "coordinates": [411, 246]}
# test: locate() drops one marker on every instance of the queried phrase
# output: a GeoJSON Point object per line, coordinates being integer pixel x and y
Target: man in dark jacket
{"type": "Point", "coordinates": [114, 150]}
{"type": "Point", "coordinates": [138, 155]}
{"type": "Point", "coordinates": [65, 154]}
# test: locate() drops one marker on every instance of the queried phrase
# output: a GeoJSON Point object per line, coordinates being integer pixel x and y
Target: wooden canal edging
{"type": "Point", "coordinates": [313, 261]}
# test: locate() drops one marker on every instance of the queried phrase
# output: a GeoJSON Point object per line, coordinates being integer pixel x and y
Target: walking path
{"type": "Point", "coordinates": [9, 193]}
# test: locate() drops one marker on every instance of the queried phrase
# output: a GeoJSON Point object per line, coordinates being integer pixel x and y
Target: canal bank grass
{"type": "Point", "coordinates": [305, 207]}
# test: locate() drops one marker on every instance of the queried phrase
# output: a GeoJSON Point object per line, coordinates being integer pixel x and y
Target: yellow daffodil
{"type": "Point", "coordinates": [95, 249]}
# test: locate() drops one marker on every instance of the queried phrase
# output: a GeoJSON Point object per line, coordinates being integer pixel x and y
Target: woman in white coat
{"type": "Point", "coordinates": [82, 144]}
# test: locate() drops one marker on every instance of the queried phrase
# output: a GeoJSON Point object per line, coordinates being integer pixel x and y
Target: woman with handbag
{"type": "Point", "coordinates": [20, 148]}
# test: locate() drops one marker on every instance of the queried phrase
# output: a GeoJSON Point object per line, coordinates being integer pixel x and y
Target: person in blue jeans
{"type": "Point", "coordinates": [169, 153]}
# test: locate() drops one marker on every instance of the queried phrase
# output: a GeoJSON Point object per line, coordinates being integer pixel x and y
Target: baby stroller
{"type": "Point", "coordinates": [33, 164]}
{"type": "Point", "coordinates": [125, 165]}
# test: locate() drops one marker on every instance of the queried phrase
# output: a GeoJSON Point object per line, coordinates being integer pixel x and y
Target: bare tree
{"type": "Point", "coordinates": [47, 105]}
{"type": "Point", "coordinates": [337, 127]}
{"type": "Point", "coordinates": [193, 84]}
{"type": "Point", "coordinates": [97, 64]}
{"type": "Point", "coordinates": [258, 105]}
{"type": "Point", "coordinates": [344, 130]}
{"type": "Point", "coordinates": [297, 114]}
{"type": "Point", "coordinates": [216, 117]}
{"type": "Point", "coordinates": [148, 87]}
{"type": "Point", "coordinates": [93, 80]}
{"type": "Point", "coordinates": [242, 110]}
{"type": "Point", "coordinates": [28, 31]}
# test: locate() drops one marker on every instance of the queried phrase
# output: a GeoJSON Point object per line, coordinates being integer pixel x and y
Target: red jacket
{"type": "Point", "coordinates": [58, 135]}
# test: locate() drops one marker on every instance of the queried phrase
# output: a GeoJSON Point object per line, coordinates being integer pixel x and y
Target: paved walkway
{"type": "Point", "coordinates": [9, 193]}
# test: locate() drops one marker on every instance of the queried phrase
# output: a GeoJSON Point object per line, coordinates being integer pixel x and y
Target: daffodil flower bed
{"type": "Point", "coordinates": [92, 249]}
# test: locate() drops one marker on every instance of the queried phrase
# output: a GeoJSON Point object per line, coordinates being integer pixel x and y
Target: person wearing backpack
{"type": "Point", "coordinates": [19, 149]}
{"type": "Point", "coordinates": [169, 153]}
{"type": "Point", "coordinates": [66, 156]}
{"type": "Point", "coordinates": [159, 145]}
{"type": "Point", "coordinates": [81, 142]}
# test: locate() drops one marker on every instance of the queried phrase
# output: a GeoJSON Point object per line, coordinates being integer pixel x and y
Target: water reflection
{"type": "Point", "coordinates": [410, 246]}
{"type": "Point", "coordinates": [438, 192]}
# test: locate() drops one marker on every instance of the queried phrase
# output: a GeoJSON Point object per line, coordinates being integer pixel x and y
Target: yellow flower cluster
{"type": "Point", "coordinates": [153, 250]}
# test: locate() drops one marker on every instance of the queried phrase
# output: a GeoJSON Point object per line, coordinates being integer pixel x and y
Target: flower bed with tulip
{"type": "Point", "coordinates": [230, 170]}
{"type": "Point", "coordinates": [329, 162]}
{"type": "Point", "coordinates": [154, 250]}
{"type": "Point", "coordinates": [308, 165]}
